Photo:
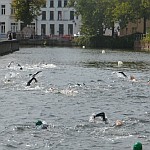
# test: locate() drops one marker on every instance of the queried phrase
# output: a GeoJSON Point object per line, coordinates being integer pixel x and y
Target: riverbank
{"type": "Point", "coordinates": [8, 46]}
{"type": "Point", "coordinates": [47, 42]}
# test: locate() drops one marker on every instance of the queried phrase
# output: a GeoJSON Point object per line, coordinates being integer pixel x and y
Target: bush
{"type": "Point", "coordinates": [105, 41]}
{"type": "Point", "coordinates": [147, 38]}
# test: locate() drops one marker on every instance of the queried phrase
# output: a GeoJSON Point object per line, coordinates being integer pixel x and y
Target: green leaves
{"type": "Point", "coordinates": [27, 10]}
{"type": "Point", "coordinates": [100, 14]}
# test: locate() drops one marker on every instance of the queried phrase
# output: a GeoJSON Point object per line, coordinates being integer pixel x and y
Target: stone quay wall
{"type": "Point", "coordinates": [8, 46]}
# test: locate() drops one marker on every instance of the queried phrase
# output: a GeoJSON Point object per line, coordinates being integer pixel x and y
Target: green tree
{"type": "Point", "coordinates": [100, 14]}
{"type": "Point", "coordinates": [142, 9]}
{"type": "Point", "coordinates": [126, 11]}
{"type": "Point", "coordinates": [92, 12]}
{"type": "Point", "coordinates": [27, 10]}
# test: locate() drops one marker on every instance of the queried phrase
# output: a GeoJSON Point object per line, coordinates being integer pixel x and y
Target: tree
{"type": "Point", "coordinates": [142, 9]}
{"type": "Point", "coordinates": [126, 11]}
{"type": "Point", "coordinates": [92, 12]}
{"type": "Point", "coordinates": [27, 10]}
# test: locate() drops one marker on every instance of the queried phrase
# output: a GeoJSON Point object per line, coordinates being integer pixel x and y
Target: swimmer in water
{"type": "Point", "coordinates": [104, 118]}
{"type": "Point", "coordinates": [20, 66]}
{"type": "Point", "coordinates": [41, 124]}
{"type": "Point", "coordinates": [10, 64]}
{"type": "Point", "coordinates": [124, 75]}
{"type": "Point", "coordinates": [132, 78]}
{"type": "Point", "coordinates": [17, 65]}
{"type": "Point", "coordinates": [102, 115]}
{"type": "Point", "coordinates": [33, 78]}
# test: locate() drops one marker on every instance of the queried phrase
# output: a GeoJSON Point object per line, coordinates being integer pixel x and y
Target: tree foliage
{"type": "Point", "coordinates": [100, 14]}
{"type": "Point", "coordinates": [27, 10]}
{"type": "Point", "coordinates": [131, 10]}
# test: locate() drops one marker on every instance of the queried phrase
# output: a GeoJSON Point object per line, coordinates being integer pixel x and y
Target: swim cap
{"type": "Point", "coordinates": [137, 146]}
{"type": "Point", "coordinates": [38, 123]}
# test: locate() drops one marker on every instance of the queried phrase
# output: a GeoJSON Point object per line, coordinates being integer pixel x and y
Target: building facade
{"type": "Point", "coordinates": [136, 27]}
{"type": "Point", "coordinates": [55, 19]}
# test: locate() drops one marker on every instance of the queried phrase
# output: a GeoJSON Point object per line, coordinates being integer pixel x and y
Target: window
{"type": "Point", "coordinates": [59, 3]}
{"type": "Point", "coordinates": [14, 27]}
{"type": "Point", "coordinates": [51, 15]}
{"type": "Point", "coordinates": [59, 15]}
{"type": "Point", "coordinates": [2, 27]}
{"type": "Point", "coordinates": [51, 3]}
{"type": "Point", "coordinates": [43, 15]}
{"type": "Point", "coordinates": [12, 10]}
{"type": "Point", "coordinates": [52, 29]}
{"type": "Point", "coordinates": [71, 15]}
{"type": "Point", "coordinates": [43, 29]}
{"type": "Point", "coordinates": [65, 3]}
{"type": "Point", "coordinates": [2, 9]}
{"type": "Point", "coordinates": [70, 29]}
{"type": "Point", "coordinates": [61, 29]}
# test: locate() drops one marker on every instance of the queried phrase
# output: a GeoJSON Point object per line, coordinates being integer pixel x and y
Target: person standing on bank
{"type": "Point", "coordinates": [9, 36]}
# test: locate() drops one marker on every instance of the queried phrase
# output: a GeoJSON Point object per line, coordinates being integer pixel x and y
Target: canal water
{"type": "Point", "coordinates": [73, 84]}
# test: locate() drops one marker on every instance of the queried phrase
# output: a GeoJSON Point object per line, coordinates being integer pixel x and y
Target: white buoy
{"type": "Point", "coordinates": [83, 46]}
{"type": "Point", "coordinates": [120, 63]}
{"type": "Point", "coordinates": [103, 51]}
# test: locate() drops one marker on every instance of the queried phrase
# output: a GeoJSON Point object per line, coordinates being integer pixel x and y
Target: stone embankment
{"type": "Point", "coordinates": [8, 46]}
{"type": "Point", "coordinates": [46, 42]}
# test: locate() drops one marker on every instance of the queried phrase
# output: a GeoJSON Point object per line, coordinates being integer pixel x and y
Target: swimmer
{"type": "Point", "coordinates": [78, 84]}
{"type": "Point", "coordinates": [20, 66]}
{"type": "Point", "coordinates": [17, 65]}
{"type": "Point", "coordinates": [41, 124]}
{"type": "Point", "coordinates": [132, 78]}
{"type": "Point", "coordinates": [33, 78]}
{"type": "Point", "coordinates": [122, 73]}
{"type": "Point", "coordinates": [104, 118]}
{"type": "Point", "coordinates": [10, 63]}
{"type": "Point", "coordinates": [148, 81]}
{"type": "Point", "coordinates": [118, 123]}
{"type": "Point", "coordinates": [102, 115]}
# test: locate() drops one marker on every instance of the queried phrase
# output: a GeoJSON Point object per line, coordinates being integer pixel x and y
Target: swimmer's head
{"type": "Point", "coordinates": [38, 123]}
{"type": "Point", "coordinates": [132, 78]}
{"type": "Point", "coordinates": [119, 123]}
{"type": "Point", "coordinates": [42, 124]}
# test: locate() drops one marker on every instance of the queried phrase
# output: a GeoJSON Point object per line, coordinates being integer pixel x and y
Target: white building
{"type": "Point", "coordinates": [55, 19]}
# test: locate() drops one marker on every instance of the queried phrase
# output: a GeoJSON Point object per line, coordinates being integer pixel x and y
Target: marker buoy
{"type": "Point", "coordinates": [103, 51]}
{"type": "Point", "coordinates": [120, 63]}
{"type": "Point", "coordinates": [137, 146]}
